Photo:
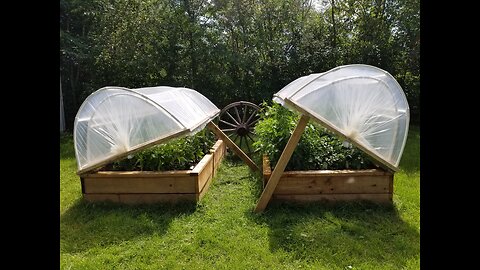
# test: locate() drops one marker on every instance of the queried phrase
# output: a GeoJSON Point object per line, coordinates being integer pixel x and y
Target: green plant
{"type": "Point", "coordinates": [318, 148]}
{"type": "Point", "coordinates": [179, 154]}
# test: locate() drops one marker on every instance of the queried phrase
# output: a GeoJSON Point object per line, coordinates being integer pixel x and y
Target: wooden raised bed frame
{"type": "Point", "coordinates": [134, 187]}
{"type": "Point", "coordinates": [331, 185]}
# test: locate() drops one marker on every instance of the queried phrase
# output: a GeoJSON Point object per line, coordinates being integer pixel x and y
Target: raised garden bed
{"type": "Point", "coordinates": [134, 187]}
{"type": "Point", "coordinates": [331, 185]}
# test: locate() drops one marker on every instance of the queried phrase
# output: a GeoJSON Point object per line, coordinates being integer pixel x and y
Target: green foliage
{"type": "Point", "coordinates": [231, 50]}
{"type": "Point", "coordinates": [179, 154]}
{"type": "Point", "coordinates": [318, 149]}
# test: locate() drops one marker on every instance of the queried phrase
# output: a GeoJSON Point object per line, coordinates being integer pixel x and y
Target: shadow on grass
{"type": "Point", "coordinates": [233, 159]}
{"type": "Point", "coordinates": [340, 234]}
{"type": "Point", "coordinates": [88, 225]}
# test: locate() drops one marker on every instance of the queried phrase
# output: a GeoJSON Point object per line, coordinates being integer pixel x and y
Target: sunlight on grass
{"type": "Point", "coordinates": [222, 232]}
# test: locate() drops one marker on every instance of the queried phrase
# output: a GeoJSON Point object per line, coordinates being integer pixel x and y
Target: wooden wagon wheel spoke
{"type": "Point", "coordinates": [238, 115]}
{"type": "Point", "coordinates": [228, 123]}
{"type": "Point", "coordinates": [238, 121]}
{"type": "Point", "coordinates": [248, 135]}
{"type": "Point", "coordinates": [256, 120]}
{"type": "Point", "coordinates": [245, 110]}
{"type": "Point", "coordinates": [240, 143]}
{"type": "Point", "coordinates": [233, 118]}
{"type": "Point", "coordinates": [234, 139]}
{"type": "Point", "coordinates": [252, 115]}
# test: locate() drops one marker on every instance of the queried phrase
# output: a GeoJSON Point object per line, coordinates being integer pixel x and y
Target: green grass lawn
{"type": "Point", "coordinates": [222, 232]}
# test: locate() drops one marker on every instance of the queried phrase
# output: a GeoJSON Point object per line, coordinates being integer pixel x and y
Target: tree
{"type": "Point", "coordinates": [232, 50]}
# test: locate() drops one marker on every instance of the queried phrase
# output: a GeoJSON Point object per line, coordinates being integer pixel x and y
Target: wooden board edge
{"type": "Point", "coordinates": [138, 174]}
{"type": "Point", "coordinates": [145, 198]}
{"type": "Point", "coordinates": [201, 165]}
{"type": "Point", "coordinates": [205, 187]}
{"type": "Point", "coordinates": [184, 184]}
{"type": "Point", "coordinates": [309, 173]}
{"type": "Point", "coordinates": [266, 169]}
{"type": "Point", "coordinates": [93, 197]}
{"type": "Point", "coordinates": [301, 198]}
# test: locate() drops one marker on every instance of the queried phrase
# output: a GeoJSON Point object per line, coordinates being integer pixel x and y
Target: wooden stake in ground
{"type": "Point", "coordinates": [232, 146]}
{"type": "Point", "coordinates": [281, 164]}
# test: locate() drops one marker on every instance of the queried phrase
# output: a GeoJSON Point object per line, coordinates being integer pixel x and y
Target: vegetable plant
{"type": "Point", "coordinates": [318, 148]}
{"type": "Point", "coordinates": [179, 154]}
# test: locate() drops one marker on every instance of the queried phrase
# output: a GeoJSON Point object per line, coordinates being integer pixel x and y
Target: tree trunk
{"type": "Point", "coordinates": [191, 39]}
{"type": "Point", "coordinates": [62, 111]}
{"type": "Point", "coordinates": [334, 36]}
{"type": "Point", "coordinates": [73, 86]}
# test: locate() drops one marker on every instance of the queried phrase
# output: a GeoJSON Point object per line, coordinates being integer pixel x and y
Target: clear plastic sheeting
{"type": "Point", "coordinates": [363, 103]}
{"type": "Point", "coordinates": [115, 121]}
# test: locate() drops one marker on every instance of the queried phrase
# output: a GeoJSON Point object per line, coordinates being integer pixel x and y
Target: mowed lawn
{"type": "Point", "coordinates": [222, 232]}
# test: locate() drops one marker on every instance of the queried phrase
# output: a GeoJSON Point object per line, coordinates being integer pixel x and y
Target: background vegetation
{"type": "Point", "coordinates": [232, 50]}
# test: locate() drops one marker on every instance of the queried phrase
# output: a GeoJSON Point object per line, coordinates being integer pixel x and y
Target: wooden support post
{"type": "Point", "coordinates": [232, 146]}
{"type": "Point", "coordinates": [281, 164]}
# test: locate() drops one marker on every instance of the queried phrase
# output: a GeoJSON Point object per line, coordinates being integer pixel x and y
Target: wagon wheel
{"type": "Point", "coordinates": [237, 120]}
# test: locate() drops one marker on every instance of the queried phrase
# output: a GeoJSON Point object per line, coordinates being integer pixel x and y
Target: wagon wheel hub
{"type": "Point", "coordinates": [237, 120]}
{"type": "Point", "coordinates": [242, 130]}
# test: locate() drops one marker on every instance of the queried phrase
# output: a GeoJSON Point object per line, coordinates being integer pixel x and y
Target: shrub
{"type": "Point", "coordinates": [179, 154]}
{"type": "Point", "coordinates": [318, 149]}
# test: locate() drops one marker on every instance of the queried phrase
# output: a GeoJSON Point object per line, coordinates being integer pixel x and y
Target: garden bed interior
{"type": "Point", "coordinates": [134, 187]}
{"type": "Point", "coordinates": [331, 185]}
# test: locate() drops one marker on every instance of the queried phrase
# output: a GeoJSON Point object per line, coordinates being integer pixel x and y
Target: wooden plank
{"type": "Point", "coordinates": [139, 198]}
{"type": "Point", "coordinates": [232, 146]}
{"type": "Point", "coordinates": [205, 174]}
{"type": "Point", "coordinates": [267, 171]}
{"type": "Point", "coordinates": [101, 197]}
{"type": "Point", "coordinates": [217, 145]}
{"type": "Point", "coordinates": [281, 164]}
{"type": "Point", "coordinates": [377, 197]}
{"type": "Point", "coordinates": [156, 198]}
{"type": "Point", "coordinates": [138, 148]}
{"type": "Point", "coordinates": [201, 164]}
{"type": "Point", "coordinates": [325, 123]}
{"type": "Point", "coordinates": [333, 184]}
{"type": "Point", "coordinates": [138, 174]}
{"type": "Point", "coordinates": [205, 186]}
{"type": "Point", "coordinates": [218, 154]}
{"type": "Point", "coordinates": [183, 184]}
{"type": "Point", "coordinates": [309, 173]}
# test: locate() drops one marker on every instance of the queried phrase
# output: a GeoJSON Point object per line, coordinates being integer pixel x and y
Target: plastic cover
{"type": "Point", "coordinates": [360, 102]}
{"type": "Point", "coordinates": [114, 120]}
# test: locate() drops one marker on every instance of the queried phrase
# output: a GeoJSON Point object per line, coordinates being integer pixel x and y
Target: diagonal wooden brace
{"type": "Point", "coordinates": [281, 164]}
{"type": "Point", "coordinates": [232, 146]}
